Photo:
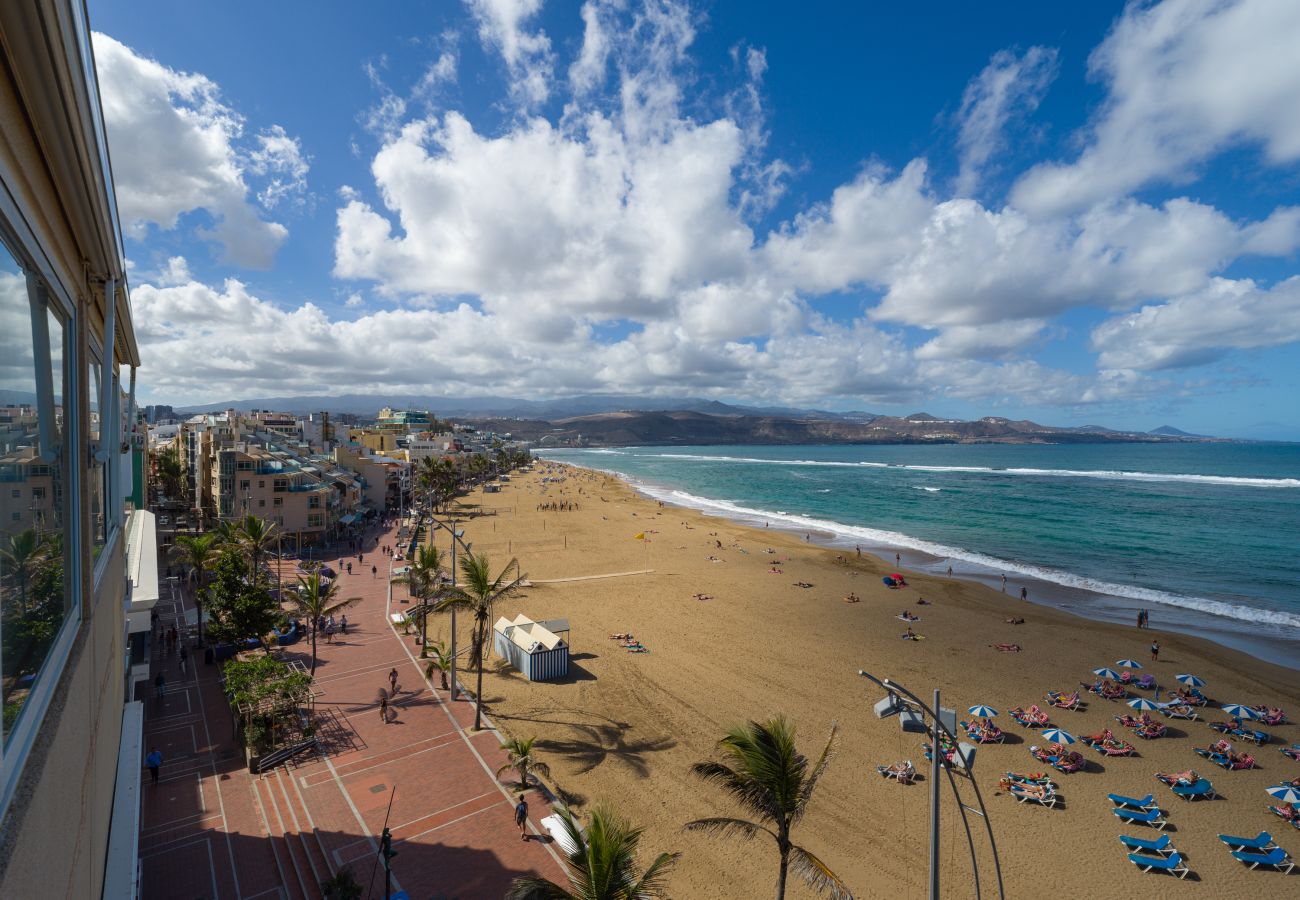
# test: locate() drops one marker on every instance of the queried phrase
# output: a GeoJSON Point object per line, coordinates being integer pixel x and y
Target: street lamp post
{"type": "Point", "coordinates": [963, 755]}
{"type": "Point", "coordinates": [456, 535]}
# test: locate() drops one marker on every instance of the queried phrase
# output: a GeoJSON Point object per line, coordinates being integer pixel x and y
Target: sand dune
{"type": "Point", "coordinates": [626, 727]}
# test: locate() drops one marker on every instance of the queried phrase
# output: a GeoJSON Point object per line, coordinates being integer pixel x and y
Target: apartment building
{"type": "Point", "coordinates": [69, 738]}
{"type": "Point", "coordinates": [384, 480]}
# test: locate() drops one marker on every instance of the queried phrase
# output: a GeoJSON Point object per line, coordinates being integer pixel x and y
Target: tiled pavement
{"type": "Point", "coordinates": [211, 830]}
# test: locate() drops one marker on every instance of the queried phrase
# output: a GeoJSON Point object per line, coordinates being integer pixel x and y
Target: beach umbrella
{"type": "Point", "coordinates": [1061, 737]}
{"type": "Point", "coordinates": [984, 712]}
{"type": "Point", "coordinates": [1129, 664]}
{"type": "Point", "coordinates": [1105, 672]}
{"type": "Point", "coordinates": [1191, 680]}
{"type": "Point", "coordinates": [1284, 792]}
{"type": "Point", "coordinates": [1240, 711]}
{"type": "Point", "coordinates": [1143, 704]}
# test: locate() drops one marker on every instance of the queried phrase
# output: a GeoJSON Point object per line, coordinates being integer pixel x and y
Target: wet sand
{"type": "Point", "coordinates": [625, 728]}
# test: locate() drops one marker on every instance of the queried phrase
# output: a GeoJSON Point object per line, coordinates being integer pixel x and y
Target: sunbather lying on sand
{"type": "Point", "coordinates": [803, 584]}
{"type": "Point", "coordinates": [774, 571]}
{"type": "Point", "coordinates": [1014, 621]}
{"type": "Point", "coordinates": [910, 635]}
{"type": "Point", "coordinates": [1006, 648]}
{"type": "Point", "coordinates": [621, 636]}
{"type": "Point", "coordinates": [702, 596]}
{"type": "Point", "coordinates": [852, 598]}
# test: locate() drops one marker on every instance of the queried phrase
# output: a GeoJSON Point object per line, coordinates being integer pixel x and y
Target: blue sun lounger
{"type": "Point", "coordinates": [1160, 845]}
{"type": "Point", "coordinates": [1258, 844]}
{"type": "Point", "coordinates": [1172, 864]}
{"type": "Point", "coordinates": [1277, 858]}
{"type": "Point", "coordinates": [1153, 817]}
{"type": "Point", "coordinates": [1147, 802]}
{"type": "Point", "coordinates": [1198, 789]}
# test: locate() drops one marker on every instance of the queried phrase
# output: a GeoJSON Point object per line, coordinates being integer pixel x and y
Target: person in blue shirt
{"type": "Point", "coordinates": [153, 762]}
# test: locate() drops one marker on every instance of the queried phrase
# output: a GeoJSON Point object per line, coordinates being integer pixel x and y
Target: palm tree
{"type": "Point", "coordinates": [199, 552]}
{"type": "Point", "coordinates": [478, 595]}
{"type": "Point", "coordinates": [440, 662]}
{"type": "Point", "coordinates": [769, 777]}
{"type": "Point", "coordinates": [22, 553]}
{"type": "Point", "coordinates": [316, 600]}
{"type": "Point", "coordinates": [523, 760]}
{"type": "Point", "coordinates": [602, 866]}
{"type": "Point", "coordinates": [255, 536]}
{"type": "Point", "coordinates": [422, 579]}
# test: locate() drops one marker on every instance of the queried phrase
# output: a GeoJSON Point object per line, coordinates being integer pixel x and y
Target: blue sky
{"type": "Point", "coordinates": [1083, 214]}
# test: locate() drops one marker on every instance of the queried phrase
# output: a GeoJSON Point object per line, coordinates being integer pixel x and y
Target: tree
{"type": "Point", "coordinates": [480, 592]}
{"type": "Point", "coordinates": [21, 554]}
{"type": "Point", "coordinates": [603, 865]}
{"type": "Point", "coordinates": [199, 552]}
{"type": "Point", "coordinates": [255, 537]}
{"type": "Point", "coordinates": [439, 662]}
{"type": "Point", "coordinates": [422, 578]}
{"type": "Point", "coordinates": [317, 600]}
{"type": "Point", "coordinates": [771, 779]}
{"type": "Point", "coordinates": [523, 760]}
{"type": "Point", "coordinates": [238, 607]}
{"type": "Point", "coordinates": [171, 472]}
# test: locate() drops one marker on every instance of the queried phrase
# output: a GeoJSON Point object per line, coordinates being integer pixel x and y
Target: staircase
{"type": "Point", "coordinates": [299, 854]}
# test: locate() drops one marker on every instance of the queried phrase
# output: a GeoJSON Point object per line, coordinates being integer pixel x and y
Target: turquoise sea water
{"type": "Point", "coordinates": [1205, 536]}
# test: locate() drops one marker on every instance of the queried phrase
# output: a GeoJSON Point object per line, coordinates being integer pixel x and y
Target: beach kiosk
{"type": "Point", "coordinates": [540, 650]}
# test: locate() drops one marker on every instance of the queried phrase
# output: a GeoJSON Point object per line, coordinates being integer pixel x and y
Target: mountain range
{"type": "Point", "coordinates": [611, 419]}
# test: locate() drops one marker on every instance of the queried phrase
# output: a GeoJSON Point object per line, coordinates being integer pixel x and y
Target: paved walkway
{"type": "Point", "coordinates": [211, 830]}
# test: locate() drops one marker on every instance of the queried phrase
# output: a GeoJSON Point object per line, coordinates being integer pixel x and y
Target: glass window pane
{"type": "Point", "coordinates": [33, 598]}
{"type": "Point", "coordinates": [95, 481]}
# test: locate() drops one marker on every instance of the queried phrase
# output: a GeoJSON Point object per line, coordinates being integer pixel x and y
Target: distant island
{"type": "Point", "coordinates": [604, 420]}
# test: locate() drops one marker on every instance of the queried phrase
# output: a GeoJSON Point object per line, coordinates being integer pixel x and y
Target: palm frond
{"type": "Point", "coordinates": [818, 769]}
{"type": "Point", "coordinates": [530, 887]}
{"type": "Point", "coordinates": [817, 874]}
{"type": "Point", "coordinates": [653, 882]}
{"type": "Point", "coordinates": [721, 825]}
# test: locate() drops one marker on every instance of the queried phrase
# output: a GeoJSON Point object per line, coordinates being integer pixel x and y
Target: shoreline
{"type": "Point", "coordinates": [1088, 603]}
{"type": "Point", "coordinates": [758, 627]}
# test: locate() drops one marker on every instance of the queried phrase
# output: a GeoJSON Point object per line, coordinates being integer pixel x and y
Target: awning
{"type": "Point", "coordinates": [348, 519]}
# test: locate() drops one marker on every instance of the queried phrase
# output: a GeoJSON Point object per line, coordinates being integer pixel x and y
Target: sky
{"type": "Point", "coordinates": [1077, 213]}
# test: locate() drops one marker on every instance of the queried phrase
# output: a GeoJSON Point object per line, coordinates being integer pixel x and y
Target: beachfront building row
{"type": "Point", "coordinates": [74, 565]}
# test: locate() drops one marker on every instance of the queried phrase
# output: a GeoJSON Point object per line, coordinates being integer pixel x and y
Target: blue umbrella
{"type": "Point", "coordinates": [1143, 703]}
{"type": "Point", "coordinates": [1239, 711]}
{"type": "Point", "coordinates": [1129, 663]}
{"type": "Point", "coordinates": [1105, 672]}
{"type": "Point", "coordinates": [1284, 792]}
{"type": "Point", "coordinates": [1191, 680]}
{"type": "Point", "coordinates": [1061, 737]}
{"type": "Point", "coordinates": [984, 712]}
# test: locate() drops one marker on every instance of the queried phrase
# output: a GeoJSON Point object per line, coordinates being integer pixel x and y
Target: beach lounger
{"type": "Point", "coordinates": [1146, 682]}
{"type": "Point", "coordinates": [1023, 795]}
{"type": "Point", "coordinates": [1153, 817]}
{"type": "Point", "coordinates": [1201, 788]}
{"type": "Point", "coordinates": [1147, 802]}
{"type": "Point", "coordinates": [1292, 752]}
{"type": "Point", "coordinates": [1258, 844]}
{"type": "Point", "coordinates": [903, 773]}
{"type": "Point", "coordinates": [1142, 845]}
{"type": "Point", "coordinates": [1173, 864]}
{"type": "Point", "coordinates": [1277, 858]}
{"type": "Point", "coordinates": [1115, 748]}
{"type": "Point", "coordinates": [1281, 813]}
{"type": "Point", "coordinates": [1179, 711]}
{"type": "Point", "coordinates": [1036, 778]}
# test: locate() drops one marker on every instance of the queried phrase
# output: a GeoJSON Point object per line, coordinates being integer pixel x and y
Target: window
{"type": "Point", "coordinates": [34, 597]}
{"type": "Point", "coordinates": [279, 501]}
{"type": "Point", "coordinates": [261, 503]}
{"type": "Point", "coordinates": [97, 483]}
{"type": "Point", "coordinates": [245, 485]}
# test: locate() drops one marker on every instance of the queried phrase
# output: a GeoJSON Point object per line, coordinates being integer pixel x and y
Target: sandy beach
{"type": "Point", "coordinates": [625, 728]}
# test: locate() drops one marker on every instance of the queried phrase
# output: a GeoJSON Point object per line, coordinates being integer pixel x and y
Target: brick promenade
{"type": "Point", "coordinates": [209, 829]}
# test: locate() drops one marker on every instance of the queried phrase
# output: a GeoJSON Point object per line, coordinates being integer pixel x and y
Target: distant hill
{"type": "Point", "coordinates": [1171, 431]}
{"type": "Point", "coordinates": [686, 427]}
{"type": "Point", "coordinates": [507, 407]}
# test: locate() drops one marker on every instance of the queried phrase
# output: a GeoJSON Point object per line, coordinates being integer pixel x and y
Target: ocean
{"type": "Point", "coordinates": [1204, 536]}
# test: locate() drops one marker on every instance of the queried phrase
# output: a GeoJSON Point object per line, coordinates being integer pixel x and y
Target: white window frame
{"type": "Point", "coordinates": [20, 243]}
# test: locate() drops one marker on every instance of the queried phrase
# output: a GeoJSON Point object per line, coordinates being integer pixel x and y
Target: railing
{"type": "Point", "coordinates": [283, 755]}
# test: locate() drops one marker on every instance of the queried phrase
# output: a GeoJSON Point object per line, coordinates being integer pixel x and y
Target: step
{"type": "Point", "coordinates": [289, 852]}
{"type": "Point", "coordinates": [304, 827]}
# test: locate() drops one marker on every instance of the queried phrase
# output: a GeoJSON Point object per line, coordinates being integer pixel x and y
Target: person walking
{"type": "Point", "coordinates": [950, 571]}
{"type": "Point", "coordinates": [185, 656]}
{"type": "Point", "coordinates": [153, 762]}
{"type": "Point", "coordinates": [392, 681]}
{"type": "Point", "coordinates": [383, 708]}
{"type": "Point", "coordinates": [349, 568]}
{"type": "Point", "coordinates": [1024, 593]}
{"type": "Point", "coordinates": [374, 571]}
{"type": "Point", "coordinates": [343, 623]}
{"type": "Point", "coordinates": [159, 686]}
{"type": "Point", "coordinates": [1155, 650]}
{"type": "Point", "coordinates": [521, 817]}
{"type": "Point", "coordinates": [1004, 583]}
